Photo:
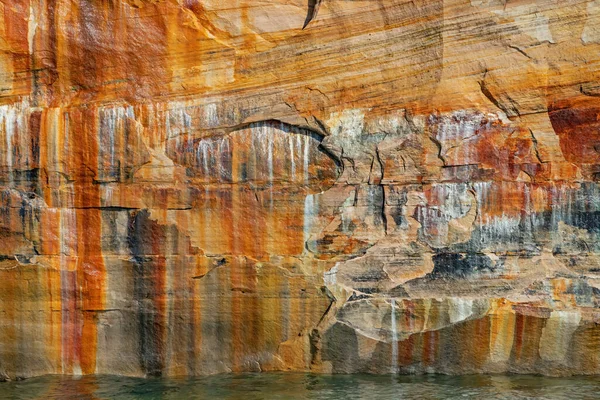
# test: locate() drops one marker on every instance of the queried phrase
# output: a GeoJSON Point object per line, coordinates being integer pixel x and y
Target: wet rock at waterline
{"type": "Point", "coordinates": [194, 187]}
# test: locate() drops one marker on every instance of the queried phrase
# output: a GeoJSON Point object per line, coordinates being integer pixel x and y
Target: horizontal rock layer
{"type": "Point", "coordinates": [192, 187]}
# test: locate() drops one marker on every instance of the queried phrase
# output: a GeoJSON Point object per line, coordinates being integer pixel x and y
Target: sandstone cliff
{"type": "Point", "coordinates": [199, 186]}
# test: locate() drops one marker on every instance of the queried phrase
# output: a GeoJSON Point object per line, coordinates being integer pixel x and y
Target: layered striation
{"type": "Point", "coordinates": [191, 187]}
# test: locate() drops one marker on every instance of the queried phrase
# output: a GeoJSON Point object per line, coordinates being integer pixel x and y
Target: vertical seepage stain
{"type": "Point", "coordinates": [502, 327]}
{"type": "Point", "coordinates": [91, 273]}
{"type": "Point", "coordinates": [528, 330]}
{"type": "Point", "coordinates": [394, 337]}
{"type": "Point", "coordinates": [14, 31]}
{"type": "Point", "coordinates": [91, 277]}
{"type": "Point", "coordinates": [146, 244]}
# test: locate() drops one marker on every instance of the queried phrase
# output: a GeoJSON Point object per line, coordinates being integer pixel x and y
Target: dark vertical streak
{"type": "Point", "coordinates": [313, 9]}
{"type": "Point", "coordinates": [147, 272]}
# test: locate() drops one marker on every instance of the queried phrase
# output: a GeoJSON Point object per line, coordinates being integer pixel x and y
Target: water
{"type": "Point", "coordinates": [304, 386]}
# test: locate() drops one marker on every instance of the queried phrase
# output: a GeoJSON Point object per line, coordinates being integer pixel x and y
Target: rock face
{"type": "Point", "coordinates": [200, 186]}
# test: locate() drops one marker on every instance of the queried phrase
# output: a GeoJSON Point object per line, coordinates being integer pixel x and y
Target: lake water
{"type": "Point", "coordinates": [305, 386]}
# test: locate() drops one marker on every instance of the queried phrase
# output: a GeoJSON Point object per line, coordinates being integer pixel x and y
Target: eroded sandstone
{"type": "Point", "coordinates": [191, 187]}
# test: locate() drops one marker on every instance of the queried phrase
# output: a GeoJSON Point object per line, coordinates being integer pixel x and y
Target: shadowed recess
{"type": "Point", "coordinates": [263, 153]}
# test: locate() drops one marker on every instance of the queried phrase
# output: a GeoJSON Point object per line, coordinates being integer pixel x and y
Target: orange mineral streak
{"type": "Point", "coordinates": [91, 274]}
{"type": "Point", "coordinates": [502, 330]}
{"type": "Point", "coordinates": [15, 58]}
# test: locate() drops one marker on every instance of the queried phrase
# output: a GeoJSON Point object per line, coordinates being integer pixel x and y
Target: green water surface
{"type": "Point", "coordinates": [305, 386]}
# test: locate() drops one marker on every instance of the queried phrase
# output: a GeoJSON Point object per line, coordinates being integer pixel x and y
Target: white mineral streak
{"type": "Point", "coordinates": [346, 130]}
{"type": "Point", "coordinates": [222, 151]}
{"type": "Point", "coordinates": [538, 27]}
{"type": "Point", "coordinates": [349, 123]}
{"type": "Point", "coordinates": [330, 277]}
{"type": "Point", "coordinates": [205, 150]}
{"type": "Point", "coordinates": [482, 191]}
{"type": "Point", "coordinates": [178, 120]}
{"type": "Point", "coordinates": [501, 336]}
{"type": "Point", "coordinates": [207, 226]}
{"type": "Point", "coordinates": [109, 119]}
{"type": "Point", "coordinates": [7, 122]}
{"type": "Point", "coordinates": [271, 149]}
{"type": "Point", "coordinates": [309, 215]}
{"type": "Point", "coordinates": [455, 128]}
{"type": "Point", "coordinates": [14, 128]}
{"type": "Point", "coordinates": [466, 127]}
{"type": "Point", "coordinates": [31, 29]}
{"type": "Point", "coordinates": [394, 362]}
{"type": "Point", "coordinates": [426, 303]}
{"type": "Point", "coordinates": [306, 157]}
{"type": "Point", "coordinates": [457, 201]}
{"type": "Point", "coordinates": [290, 139]}
{"type": "Point", "coordinates": [501, 229]}
{"type": "Point", "coordinates": [269, 139]}
{"type": "Point", "coordinates": [459, 309]}
{"type": "Point", "coordinates": [591, 31]}
{"type": "Point", "coordinates": [107, 198]}
{"type": "Point", "coordinates": [53, 149]}
{"type": "Point", "coordinates": [68, 233]}
{"type": "Point", "coordinates": [300, 154]}
{"type": "Point", "coordinates": [561, 208]}
{"type": "Point", "coordinates": [557, 334]}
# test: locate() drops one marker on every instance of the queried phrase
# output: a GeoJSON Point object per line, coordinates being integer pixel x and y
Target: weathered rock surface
{"type": "Point", "coordinates": [199, 186]}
